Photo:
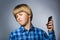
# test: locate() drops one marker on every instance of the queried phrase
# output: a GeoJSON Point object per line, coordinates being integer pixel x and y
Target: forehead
{"type": "Point", "coordinates": [20, 13]}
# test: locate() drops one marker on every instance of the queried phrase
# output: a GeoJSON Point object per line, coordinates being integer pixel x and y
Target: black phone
{"type": "Point", "coordinates": [50, 18]}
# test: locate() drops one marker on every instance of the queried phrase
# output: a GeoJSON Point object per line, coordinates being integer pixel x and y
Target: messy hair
{"type": "Point", "coordinates": [22, 8]}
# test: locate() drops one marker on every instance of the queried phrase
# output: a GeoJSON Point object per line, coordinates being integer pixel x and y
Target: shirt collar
{"type": "Point", "coordinates": [23, 29]}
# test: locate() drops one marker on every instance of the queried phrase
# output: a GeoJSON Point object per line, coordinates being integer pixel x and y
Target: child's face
{"type": "Point", "coordinates": [22, 18]}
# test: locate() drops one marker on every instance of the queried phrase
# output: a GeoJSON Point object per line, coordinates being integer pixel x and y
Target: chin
{"type": "Point", "coordinates": [21, 23]}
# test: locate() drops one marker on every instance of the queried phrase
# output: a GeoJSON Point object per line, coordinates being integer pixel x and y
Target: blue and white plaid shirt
{"type": "Point", "coordinates": [32, 34]}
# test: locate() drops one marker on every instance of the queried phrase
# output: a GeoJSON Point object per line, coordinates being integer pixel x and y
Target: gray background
{"type": "Point", "coordinates": [42, 9]}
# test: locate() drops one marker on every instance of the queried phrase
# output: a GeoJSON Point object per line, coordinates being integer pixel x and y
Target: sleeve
{"type": "Point", "coordinates": [11, 37]}
{"type": "Point", "coordinates": [50, 37]}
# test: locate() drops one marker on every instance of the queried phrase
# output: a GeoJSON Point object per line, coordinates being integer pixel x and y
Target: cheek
{"type": "Point", "coordinates": [25, 19]}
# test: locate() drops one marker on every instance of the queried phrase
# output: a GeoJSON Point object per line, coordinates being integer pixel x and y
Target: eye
{"type": "Point", "coordinates": [20, 14]}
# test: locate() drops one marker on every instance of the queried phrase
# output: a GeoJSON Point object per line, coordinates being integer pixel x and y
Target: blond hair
{"type": "Point", "coordinates": [22, 8]}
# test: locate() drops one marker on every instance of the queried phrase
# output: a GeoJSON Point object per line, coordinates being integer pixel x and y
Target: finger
{"type": "Point", "coordinates": [49, 27]}
{"type": "Point", "coordinates": [50, 22]}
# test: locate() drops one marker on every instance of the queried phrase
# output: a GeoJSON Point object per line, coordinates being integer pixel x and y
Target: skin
{"type": "Point", "coordinates": [24, 19]}
{"type": "Point", "coordinates": [50, 25]}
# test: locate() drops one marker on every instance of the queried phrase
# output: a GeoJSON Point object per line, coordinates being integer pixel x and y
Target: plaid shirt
{"type": "Point", "coordinates": [32, 34]}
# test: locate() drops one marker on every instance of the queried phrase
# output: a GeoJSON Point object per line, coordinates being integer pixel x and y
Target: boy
{"type": "Point", "coordinates": [23, 15]}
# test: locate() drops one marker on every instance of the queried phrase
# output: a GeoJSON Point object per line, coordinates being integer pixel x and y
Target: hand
{"type": "Point", "coordinates": [50, 25]}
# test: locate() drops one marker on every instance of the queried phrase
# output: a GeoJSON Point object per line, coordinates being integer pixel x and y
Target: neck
{"type": "Point", "coordinates": [27, 26]}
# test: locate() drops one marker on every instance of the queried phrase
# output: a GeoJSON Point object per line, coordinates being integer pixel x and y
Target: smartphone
{"type": "Point", "coordinates": [50, 18]}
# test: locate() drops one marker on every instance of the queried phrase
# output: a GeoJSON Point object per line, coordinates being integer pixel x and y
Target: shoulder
{"type": "Point", "coordinates": [15, 32]}
{"type": "Point", "coordinates": [39, 30]}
